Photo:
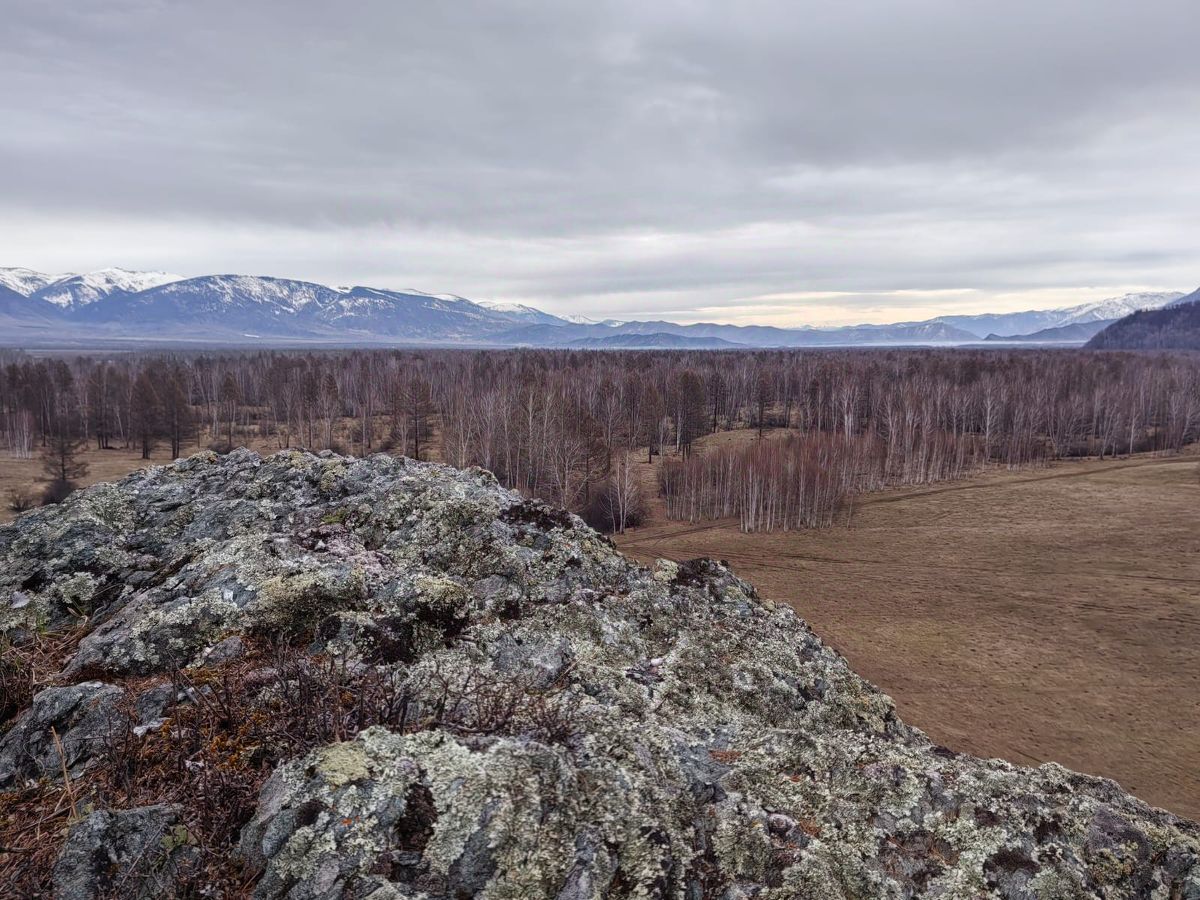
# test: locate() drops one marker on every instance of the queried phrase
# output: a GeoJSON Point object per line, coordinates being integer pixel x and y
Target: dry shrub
{"type": "Point", "coordinates": [226, 730]}
{"type": "Point", "coordinates": [484, 703]}
{"type": "Point", "coordinates": [33, 822]}
{"type": "Point", "coordinates": [20, 499]}
{"type": "Point", "coordinates": [57, 491]}
{"type": "Point", "coordinates": [29, 665]}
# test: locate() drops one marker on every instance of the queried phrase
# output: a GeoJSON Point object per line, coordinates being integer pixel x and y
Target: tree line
{"type": "Point", "coordinates": [570, 426]}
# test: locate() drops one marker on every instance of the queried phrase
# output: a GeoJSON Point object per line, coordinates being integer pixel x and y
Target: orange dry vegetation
{"type": "Point", "coordinates": [1049, 614]}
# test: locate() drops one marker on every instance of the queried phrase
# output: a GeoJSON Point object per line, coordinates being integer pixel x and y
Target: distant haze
{"type": "Point", "coordinates": [781, 163]}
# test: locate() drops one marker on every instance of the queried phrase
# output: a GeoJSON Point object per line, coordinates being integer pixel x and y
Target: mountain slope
{"type": "Point", "coordinates": [520, 313]}
{"type": "Point", "coordinates": [415, 316]}
{"type": "Point", "coordinates": [74, 291]}
{"type": "Point", "coordinates": [117, 304]}
{"type": "Point", "coordinates": [1034, 320]}
{"type": "Point", "coordinates": [1176, 327]}
{"type": "Point", "coordinates": [241, 306]}
{"type": "Point", "coordinates": [655, 341]}
{"type": "Point", "coordinates": [1193, 297]}
{"type": "Point", "coordinates": [1117, 307]}
{"type": "Point", "coordinates": [1075, 333]}
{"type": "Point", "coordinates": [26, 281]}
{"type": "Point", "coordinates": [20, 311]}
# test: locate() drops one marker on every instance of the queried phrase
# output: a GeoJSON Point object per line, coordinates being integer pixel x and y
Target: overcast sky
{"type": "Point", "coordinates": [770, 162]}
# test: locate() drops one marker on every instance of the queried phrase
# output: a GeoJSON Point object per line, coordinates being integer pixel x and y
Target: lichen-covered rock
{"type": "Point", "coordinates": [62, 730]}
{"type": "Point", "coordinates": [574, 725]}
{"type": "Point", "coordinates": [135, 853]}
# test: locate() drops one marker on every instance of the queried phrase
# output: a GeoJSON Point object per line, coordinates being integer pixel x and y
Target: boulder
{"type": "Point", "coordinates": [80, 715]}
{"type": "Point", "coordinates": [133, 853]}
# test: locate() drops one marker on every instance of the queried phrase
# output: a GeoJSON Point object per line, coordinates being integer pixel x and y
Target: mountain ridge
{"type": "Point", "coordinates": [1173, 327]}
{"type": "Point", "coordinates": [120, 304]}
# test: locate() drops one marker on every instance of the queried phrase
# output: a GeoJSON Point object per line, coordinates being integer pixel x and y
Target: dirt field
{"type": "Point", "coordinates": [1042, 615]}
{"type": "Point", "coordinates": [103, 465]}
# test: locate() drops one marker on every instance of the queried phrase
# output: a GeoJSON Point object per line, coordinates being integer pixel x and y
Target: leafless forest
{"type": "Point", "coordinates": [572, 427]}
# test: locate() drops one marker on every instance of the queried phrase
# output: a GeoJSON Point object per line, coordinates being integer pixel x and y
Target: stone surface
{"type": "Point", "coordinates": [582, 726]}
{"type": "Point", "coordinates": [133, 853]}
{"type": "Point", "coordinates": [79, 715]}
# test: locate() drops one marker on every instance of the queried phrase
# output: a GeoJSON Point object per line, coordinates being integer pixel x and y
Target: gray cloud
{"type": "Point", "coordinates": [627, 158]}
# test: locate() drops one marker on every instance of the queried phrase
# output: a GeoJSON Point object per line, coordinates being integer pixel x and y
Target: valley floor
{"type": "Point", "coordinates": [1048, 614]}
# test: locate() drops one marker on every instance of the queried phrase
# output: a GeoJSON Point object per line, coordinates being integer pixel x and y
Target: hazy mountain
{"type": "Point", "coordinates": [519, 312]}
{"type": "Point", "coordinates": [744, 335]}
{"type": "Point", "coordinates": [1034, 320]}
{"type": "Point", "coordinates": [588, 320]}
{"type": "Point", "coordinates": [117, 304]}
{"type": "Point", "coordinates": [656, 341]}
{"type": "Point", "coordinates": [1075, 333]}
{"type": "Point", "coordinates": [1175, 327]}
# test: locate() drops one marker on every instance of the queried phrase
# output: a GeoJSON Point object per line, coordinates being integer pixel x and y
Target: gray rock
{"type": "Point", "coordinates": [81, 715]}
{"type": "Point", "coordinates": [134, 853]}
{"type": "Point", "coordinates": [581, 726]}
{"type": "Point", "coordinates": [231, 648]}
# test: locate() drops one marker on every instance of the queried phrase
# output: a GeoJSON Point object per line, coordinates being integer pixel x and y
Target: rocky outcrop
{"type": "Point", "coordinates": [558, 720]}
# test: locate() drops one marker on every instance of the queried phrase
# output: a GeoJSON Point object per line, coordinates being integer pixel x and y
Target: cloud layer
{"type": "Point", "coordinates": [773, 162]}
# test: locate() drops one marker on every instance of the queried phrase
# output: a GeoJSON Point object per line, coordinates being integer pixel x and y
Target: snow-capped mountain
{"type": "Point", "coordinates": [26, 281]}
{"type": "Point", "coordinates": [244, 306]}
{"type": "Point", "coordinates": [412, 315]}
{"type": "Point", "coordinates": [1118, 307]}
{"type": "Point", "coordinates": [1176, 326]}
{"type": "Point", "coordinates": [1035, 320]}
{"type": "Point", "coordinates": [1193, 297]}
{"type": "Point", "coordinates": [588, 320]}
{"type": "Point", "coordinates": [72, 291]}
{"type": "Point", "coordinates": [117, 304]}
{"type": "Point", "coordinates": [519, 312]}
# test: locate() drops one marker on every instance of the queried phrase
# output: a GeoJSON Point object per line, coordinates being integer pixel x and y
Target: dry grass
{"type": "Point", "coordinates": [1049, 614]}
{"type": "Point", "coordinates": [228, 729]}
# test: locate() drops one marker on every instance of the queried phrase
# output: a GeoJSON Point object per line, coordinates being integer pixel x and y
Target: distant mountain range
{"type": "Point", "coordinates": [1074, 333]}
{"type": "Point", "coordinates": [38, 309]}
{"type": "Point", "coordinates": [1174, 327]}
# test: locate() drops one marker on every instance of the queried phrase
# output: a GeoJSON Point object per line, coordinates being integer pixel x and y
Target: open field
{"type": "Point", "coordinates": [103, 465]}
{"type": "Point", "coordinates": [1048, 614]}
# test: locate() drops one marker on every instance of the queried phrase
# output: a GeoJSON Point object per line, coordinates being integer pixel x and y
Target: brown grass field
{"type": "Point", "coordinates": [1041, 615]}
{"type": "Point", "coordinates": [1048, 614]}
